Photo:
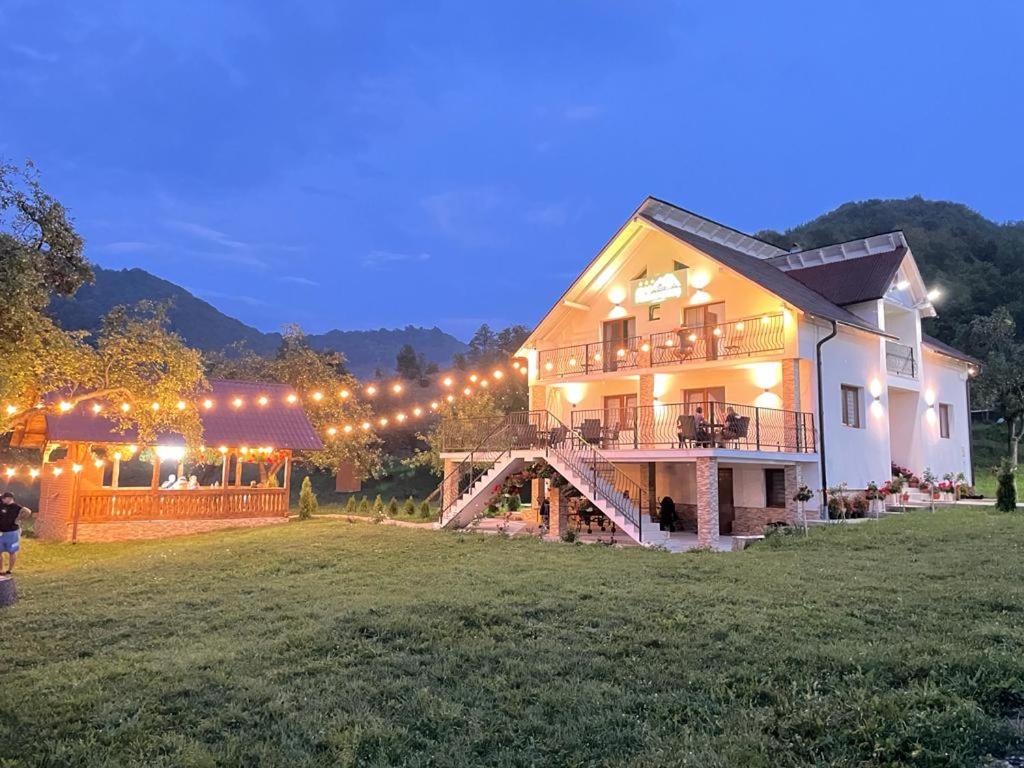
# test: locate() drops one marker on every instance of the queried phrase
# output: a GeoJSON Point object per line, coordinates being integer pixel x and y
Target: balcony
{"type": "Point", "coordinates": [899, 360]}
{"type": "Point", "coordinates": [697, 425]}
{"type": "Point", "coordinates": [748, 337]}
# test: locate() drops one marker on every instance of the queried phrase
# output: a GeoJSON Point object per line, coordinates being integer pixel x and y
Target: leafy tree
{"type": "Point", "coordinates": [134, 359]}
{"type": "Point", "coordinates": [307, 370]}
{"type": "Point", "coordinates": [466, 420]}
{"type": "Point", "coordinates": [308, 504]}
{"type": "Point", "coordinates": [1000, 384]}
{"type": "Point", "coordinates": [410, 365]}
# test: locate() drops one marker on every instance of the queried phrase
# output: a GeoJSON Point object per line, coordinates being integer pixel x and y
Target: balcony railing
{"type": "Point", "coordinates": [737, 338]}
{"type": "Point", "coordinates": [594, 357]}
{"type": "Point", "coordinates": [697, 425]}
{"type": "Point", "coordinates": [899, 359]}
{"type": "Point", "coordinates": [746, 337]}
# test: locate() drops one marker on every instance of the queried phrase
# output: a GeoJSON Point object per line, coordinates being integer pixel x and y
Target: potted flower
{"type": "Point", "coordinates": [875, 497]}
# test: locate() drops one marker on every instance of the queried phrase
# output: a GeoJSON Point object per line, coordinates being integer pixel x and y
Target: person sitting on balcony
{"type": "Point", "coordinates": [667, 515]}
{"type": "Point", "coordinates": [169, 482]}
{"type": "Point", "coordinates": [731, 428]}
{"type": "Point", "coordinates": [703, 431]}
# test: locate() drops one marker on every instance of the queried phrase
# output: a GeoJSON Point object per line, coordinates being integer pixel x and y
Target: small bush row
{"type": "Point", "coordinates": [379, 509]}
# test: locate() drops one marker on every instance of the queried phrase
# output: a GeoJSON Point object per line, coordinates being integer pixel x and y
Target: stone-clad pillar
{"type": "Point", "coordinates": [559, 513]}
{"type": "Point", "coordinates": [645, 415]}
{"type": "Point", "coordinates": [794, 437]}
{"type": "Point", "coordinates": [536, 498]}
{"type": "Point", "coordinates": [793, 479]}
{"type": "Point", "coordinates": [450, 489]}
{"type": "Point", "coordinates": [538, 397]}
{"type": "Point", "coordinates": [707, 502]}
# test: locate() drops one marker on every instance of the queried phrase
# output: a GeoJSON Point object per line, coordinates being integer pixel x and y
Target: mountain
{"type": "Point", "coordinates": [978, 264]}
{"type": "Point", "coordinates": [205, 327]}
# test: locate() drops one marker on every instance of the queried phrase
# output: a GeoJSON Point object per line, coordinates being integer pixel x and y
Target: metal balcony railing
{"type": "Point", "coordinates": [746, 337]}
{"type": "Point", "coordinates": [900, 360]}
{"type": "Point", "coordinates": [697, 425]}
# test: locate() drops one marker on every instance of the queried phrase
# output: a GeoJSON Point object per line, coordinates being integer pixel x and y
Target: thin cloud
{"type": "Point", "coordinates": [251, 301]}
{"type": "Point", "coordinates": [33, 53]}
{"type": "Point", "coordinates": [298, 280]}
{"type": "Point", "coordinates": [127, 246]}
{"type": "Point", "coordinates": [203, 232]}
{"type": "Point", "coordinates": [381, 259]}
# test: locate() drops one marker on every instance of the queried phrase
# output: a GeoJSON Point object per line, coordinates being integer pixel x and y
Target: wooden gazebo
{"type": "Point", "coordinates": [247, 423]}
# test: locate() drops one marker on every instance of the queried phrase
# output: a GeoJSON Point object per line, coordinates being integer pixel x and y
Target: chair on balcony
{"type": "Point", "coordinates": [610, 438]}
{"type": "Point", "coordinates": [524, 436]}
{"type": "Point", "coordinates": [734, 433]}
{"type": "Point", "coordinates": [591, 431]}
{"type": "Point", "coordinates": [686, 430]}
{"type": "Point", "coordinates": [557, 436]}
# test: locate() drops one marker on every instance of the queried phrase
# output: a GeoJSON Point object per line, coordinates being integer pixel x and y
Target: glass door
{"type": "Point", "coordinates": [705, 319]}
{"type": "Point", "coordinates": [615, 336]}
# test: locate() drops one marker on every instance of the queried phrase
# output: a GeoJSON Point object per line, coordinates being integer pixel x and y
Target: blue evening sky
{"type": "Point", "coordinates": [360, 165]}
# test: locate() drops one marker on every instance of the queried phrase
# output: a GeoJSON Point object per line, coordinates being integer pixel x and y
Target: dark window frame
{"type": "Point", "coordinates": [851, 418]}
{"type": "Point", "coordinates": [945, 420]}
{"type": "Point", "coordinates": [774, 488]}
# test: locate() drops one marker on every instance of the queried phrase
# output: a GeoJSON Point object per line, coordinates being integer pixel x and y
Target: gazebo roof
{"type": "Point", "coordinates": [279, 424]}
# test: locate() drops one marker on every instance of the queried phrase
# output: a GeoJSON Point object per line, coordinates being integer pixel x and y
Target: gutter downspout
{"type": "Point", "coordinates": [970, 432]}
{"type": "Point", "coordinates": [821, 420]}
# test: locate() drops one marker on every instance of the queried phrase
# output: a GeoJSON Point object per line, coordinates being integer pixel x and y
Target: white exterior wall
{"type": "Point", "coordinates": [944, 380]}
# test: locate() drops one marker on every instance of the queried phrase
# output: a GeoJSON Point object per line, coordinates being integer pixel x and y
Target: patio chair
{"type": "Point", "coordinates": [524, 436]}
{"type": "Point", "coordinates": [591, 431]}
{"type": "Point", "coordinates": [742, 426]}
{"type": "Point", "coordinates": [610, 439]}
{"type": "Point", "coordinates": [557, 436]}
{"type": "Point", "coordinates": [686, 430]}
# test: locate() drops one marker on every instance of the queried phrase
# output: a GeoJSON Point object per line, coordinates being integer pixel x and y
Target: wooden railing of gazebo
{"type": "Point", "coordinates": [126, 504]}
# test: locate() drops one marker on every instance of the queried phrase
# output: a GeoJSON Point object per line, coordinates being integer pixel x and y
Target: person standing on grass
{"type": "Point", "coordinates": [10, 533]}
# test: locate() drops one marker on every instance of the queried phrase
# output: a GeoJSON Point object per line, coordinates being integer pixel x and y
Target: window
{"type": "Point", "coordinates": [943, 419]}
{"type": "Point", "coordinates": [654, 312]}
{"type": "Point", "coordinates": [775, 488]}
{"type": "Point", "coordinates": [851, 405]}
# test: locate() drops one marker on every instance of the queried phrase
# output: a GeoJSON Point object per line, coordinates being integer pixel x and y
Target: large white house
{"type": "Point", "coordinates": [692, 361]}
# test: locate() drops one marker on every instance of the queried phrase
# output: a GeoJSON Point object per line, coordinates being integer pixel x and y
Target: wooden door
{"type": "Point", "coordinates": [615, 335]}
{"type": "Point", "coordinates": [726, 509]}
{"type": "Point", "coordinates": [705, 319]}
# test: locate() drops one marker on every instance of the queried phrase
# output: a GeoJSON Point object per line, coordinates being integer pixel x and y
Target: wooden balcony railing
{"type": "Point", "coordinates": [747, 337]}
{"type": "Point", "coordinates": [698, 425]}
{"type": "Point", "coordinates": [900, 360]}
{"type": "Point", "coordinates": [126, 504]}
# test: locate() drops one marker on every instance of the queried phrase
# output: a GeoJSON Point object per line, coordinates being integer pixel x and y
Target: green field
{"type": "Point", "coordinates": [334, 643]}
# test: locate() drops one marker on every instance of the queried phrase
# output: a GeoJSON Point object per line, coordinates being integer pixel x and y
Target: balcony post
{"type": "Point", "coordinates": [790, 402]}
{"type": "Point", "coordinates": [645, 399]}
{"type": "Point", "coordinates": [757, 427]}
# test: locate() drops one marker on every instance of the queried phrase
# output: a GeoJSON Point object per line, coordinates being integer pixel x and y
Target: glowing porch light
{"type": "Point", "coordinates": [33, 473]}
{"type": "Point", "coordinates": [875, 388]}
{"type": "Point", "coordinates": [447, 381]}
{"type": "Point", "coordinates": [692, 337]}
{"type": "Point", "coordinates": [620, 353]}
{"type": "Point", "coordinates": [515, 364]}
{"type": "Point", "coordinates": [9, 472]}
{"type": "Point", "coordinates": [765, 319]}
{"type": "Point", "coordinates": [645, 347]}
{"type": "Point", "coordinates": [98, 463]}
{"type": "Point", "coordinates": [573, 362]}
{"type": "Point", "coordinates": [57, 471]}
{"type": "Point", "coordinates": [65, 406]}
{"type": "Point", "coordinates": [11, 410]}
{"type": "Point", "coordinates": [699, 279]}
{"type": "Point", "coordinates": [616, 294]}
{"type": "Point", "coordinates": [739, 326]}
{"type": "Point", "coordinates": [523, 370]}
{"type": "Point", "coordinates": [700, 297]}
{"type": "Point", "coordinates": [548, 365]}
{"type": "Point", "coordinates": [170, 452]}
{"type": "Point", "coordinates": [933, 294]}
{"type": "Point", "coordinates": [497, 374]}
{"type": "Point", "coordinates": [132, 449]}
{"type": "Point", "coordinates": [76, 468]}
{"type": "Point", "coordinates": [902, 285]}
{"type": "Point", "coordinates": [223, 449]}
{"type": "Point", "coordinates": [717, 331]}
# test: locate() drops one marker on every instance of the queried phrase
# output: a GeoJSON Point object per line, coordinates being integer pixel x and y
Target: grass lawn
{"type": "Point", "coordinates": [332, 643]}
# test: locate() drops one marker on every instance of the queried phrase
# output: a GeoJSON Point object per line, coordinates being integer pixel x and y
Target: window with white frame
{"type": "Point", "coordinates": [851, 405]}
{"type": "Point", "coordinates": [944, 419]}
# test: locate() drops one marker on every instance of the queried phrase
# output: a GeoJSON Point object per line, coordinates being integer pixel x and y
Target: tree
{"type": "Point", "coordinates": [410, 365]}
{"type": "Point", "coordinates": [133, 361]}
{"type": "Point", "coordinates": [467, 420]}
{"type": "Point", "coordinates": [1006, 490]}
{"type": "Point", "coordinates": [308, 505]}
{"type": "Point", "coordinates": [1000, 384]}
{"type": "Point", "coordinates": [307, 370]}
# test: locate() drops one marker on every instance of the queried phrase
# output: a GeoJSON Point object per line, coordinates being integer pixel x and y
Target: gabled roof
{"type": "Point", "coordinates": [944, 349]}
{"type": "Point", "coordinates": [768, 277]}
{"type": "Point", "coordinates": [854, 280]}
{"type": "Point", "coordinates": [278, 423]}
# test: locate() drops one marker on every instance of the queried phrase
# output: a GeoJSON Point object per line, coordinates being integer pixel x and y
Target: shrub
{"type": "Point", "coordinates": [409, 508]}
{"type": "Point", "coordinates": [393, 507]}
{"type": "Point", "coordinates": [858, 505]}
{"type": "Point", "coordinates": [1006, 490]}
{"type": "Point", "coordinates": [378, 505]}
{"type": "Point", "coordinates": [307, 500]}
{"type": "Point", "coordinates": [569, 536]}
{"type": "Point", "coordinates": [514, 502]}
{"type": "Point", "coordinates": [364, 506]}
{"type": "Point", "coordinates": [425, 509]}
{"type": "Point", "coordinates": [350, 507]}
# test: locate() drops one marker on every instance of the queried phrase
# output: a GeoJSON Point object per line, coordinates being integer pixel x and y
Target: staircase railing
{"type": "Point", "coordinates": [601, 478]}
{"type": "Point", "coordinates": [496, 445]}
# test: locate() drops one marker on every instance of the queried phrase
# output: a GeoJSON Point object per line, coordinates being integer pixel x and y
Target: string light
{"type": "Point", "coordinates": [96, 408]}
{"type": "Point", "coordinates": [344, 394]}
{"type": "Point", "coordinates": [155, 406]}
{"type": "Point", "coordinates": [11, 410]}
{"type": "Point", "coordinates": [318, 396]}
{"type": "Point", "coordinates": [292, 398]}
{"type": "Point", "coordinates": [237, 402]}
{"type": "Point", "coordinates": [371, 390]}
{"type": "Point", "coordinates": [180, 405]}
{"type": "Point", "coordinates": [397, 389]}
{"type": "Point", "coordinates": [207, 403]}
{"type": "Point", "coordinates": [65, 406]}
{"type": "Point", "coordinates": [125, 407]}
{"type": "Point", "coordinates": [263, 400]}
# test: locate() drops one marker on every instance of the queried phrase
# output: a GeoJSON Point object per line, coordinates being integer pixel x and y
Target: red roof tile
{"type": "Point", "coordinates": [278, 423]}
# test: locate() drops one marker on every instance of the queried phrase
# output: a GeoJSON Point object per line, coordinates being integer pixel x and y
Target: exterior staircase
{"type": "Point", "coordinates": [532, 435]}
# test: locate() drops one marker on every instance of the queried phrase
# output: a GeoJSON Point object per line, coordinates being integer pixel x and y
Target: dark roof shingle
{"type": "Point", "coordinates": [866, 278]}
